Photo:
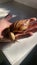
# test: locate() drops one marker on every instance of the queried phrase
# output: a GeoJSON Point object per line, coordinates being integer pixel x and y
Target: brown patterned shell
{"type": "Point", "coordinates": [22, 24]}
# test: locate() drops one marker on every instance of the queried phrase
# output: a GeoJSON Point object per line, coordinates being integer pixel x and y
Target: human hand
{"type": "Point", "coordinates": [4, 23]}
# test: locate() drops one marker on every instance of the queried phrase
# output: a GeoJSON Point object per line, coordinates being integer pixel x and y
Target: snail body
{"type": "Point", "coordinates": [24, 27]}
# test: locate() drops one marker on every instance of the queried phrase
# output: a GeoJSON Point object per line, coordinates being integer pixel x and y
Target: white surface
{"type": "Point", "coordinates": [32, 3]}
{"type": "Point", "coordinates": [19, 50]}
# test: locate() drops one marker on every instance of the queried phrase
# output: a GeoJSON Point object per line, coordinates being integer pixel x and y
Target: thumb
{"type": "Point", "coordinates": [8, 17]}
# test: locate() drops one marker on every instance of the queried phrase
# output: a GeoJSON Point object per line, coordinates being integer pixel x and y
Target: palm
{"type": "Point", "coordinates": [4, 23]}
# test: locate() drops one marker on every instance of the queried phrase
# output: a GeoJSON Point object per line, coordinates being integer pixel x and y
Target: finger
{"type": "Point", "coordinates": [33, 19]}
{"type": "Point", "coordinates": [1, 36]}
{"type": "Point", "coordinates": [8, 17]}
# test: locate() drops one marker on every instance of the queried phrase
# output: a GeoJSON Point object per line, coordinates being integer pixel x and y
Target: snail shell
{"type": "Point", "coordinates": [22, 24]}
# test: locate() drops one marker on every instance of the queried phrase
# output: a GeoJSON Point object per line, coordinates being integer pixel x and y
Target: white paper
{"type": "Point", "coordinates": [15, 51]}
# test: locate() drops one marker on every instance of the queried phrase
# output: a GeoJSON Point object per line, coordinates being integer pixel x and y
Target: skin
{"type": "Point", "coordinates": [4, 23]}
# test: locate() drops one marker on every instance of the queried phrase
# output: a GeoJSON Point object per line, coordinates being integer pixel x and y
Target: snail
{"type": "Point", "coordinates": [20, 28]}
